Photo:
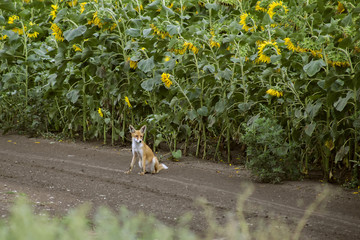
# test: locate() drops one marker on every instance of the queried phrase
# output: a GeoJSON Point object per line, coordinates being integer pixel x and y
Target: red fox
{"type": "Point", "coordinates": [148, 162]}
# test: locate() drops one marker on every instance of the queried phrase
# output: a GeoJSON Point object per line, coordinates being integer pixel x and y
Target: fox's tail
{"type": "Point", "coordinates": [161, 166]}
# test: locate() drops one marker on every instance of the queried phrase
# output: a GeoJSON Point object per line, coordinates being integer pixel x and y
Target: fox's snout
{"type": "Point", "coordinates": [138, 140]}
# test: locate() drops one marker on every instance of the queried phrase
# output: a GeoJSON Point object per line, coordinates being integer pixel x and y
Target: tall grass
{"type": "Point", "coordinates": [23, 224]}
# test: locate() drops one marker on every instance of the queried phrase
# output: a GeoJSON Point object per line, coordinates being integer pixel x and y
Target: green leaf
{"type": "Point", "coordinates": [148, 85]}
{"type": "Point", "coordinates": [73, 95]}
{"type": "Point", "coordinates": [341, 153]}
{"type": "Point", "coordinates": [60, 15]}
{"type": "Point", "coordinates": [168, 10]}
{"type": "Point", "coordinates": [267, 20]}
{"type": "Point", "coordinates": [275, 58]}
{"type": "Point", "coordinates": [173, 29]}
{"type": "Point", "coordinates": [146, 32]}
{"type": "Point", "coordinates": [176, 154]}
{"type": "Point", "coordinates": [341, 102]}
{"type": "Point", "coordinates": [203, 111]}
{"type": "Point", "coordinates": [309, 129]}
{"type": "Point", "coordinates": [213, 6]}
{"type": "Point", "coordinates": [153, 5]}
{"type": "Point", "coordinates": [220, 106]}
{"type": "Point", "coordinates": [356, 123]}
{"type": "Point", "coordinates": [73, 33]}
{"type": "Point", "coordinates": [7, 5]}
{"type": "Point", "coordinates": [314, 67]}
{"type": "Point", "coordinates": [209, 68]}
{"type": "Point", "coordinates": [347, 20]}
{"type": "Point", "coordinates": [312, 109]}
{"type": "Point", "coordinates": [244, 107]}
{"type": "Point", "coordinates": [192, 114]}
{"type": "Point", "coordinates": [133, 32]}
{"type": "Point", "coordinates": [146, 65]}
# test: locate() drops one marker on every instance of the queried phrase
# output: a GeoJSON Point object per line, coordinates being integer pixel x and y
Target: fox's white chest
{"type": "Point", "coordinates": [137, 148]}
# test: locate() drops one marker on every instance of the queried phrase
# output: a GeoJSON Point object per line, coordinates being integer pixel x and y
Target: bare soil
{"type": "Point", "coordinates": [58, 176]}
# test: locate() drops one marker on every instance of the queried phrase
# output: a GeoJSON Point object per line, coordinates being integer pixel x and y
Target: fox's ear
{"type": "Point", "coordinates": [132, 129]}
{"type": "Point", "coordinates": [143, 129]}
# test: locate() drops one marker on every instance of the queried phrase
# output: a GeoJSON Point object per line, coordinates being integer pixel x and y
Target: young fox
{"type": "Point", "coordinates": [148, 162]}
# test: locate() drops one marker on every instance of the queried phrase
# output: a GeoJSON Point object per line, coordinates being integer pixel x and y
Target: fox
{"type": "Point", "coordinates": [148, 162]}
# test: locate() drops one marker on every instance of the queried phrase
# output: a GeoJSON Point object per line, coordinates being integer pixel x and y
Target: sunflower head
{"type": "Point", "coordinates": [247, 22]}
{"type": "Point", "coordinates": [277, 8]}
{"type": "Point", "coordinates": [267, 49]}
{"type": "Point", "coordinates": [275, 92]}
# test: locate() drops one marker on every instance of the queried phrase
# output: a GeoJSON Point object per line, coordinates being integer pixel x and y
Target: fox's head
{"type": "Point", "coordinates": [137, 135]}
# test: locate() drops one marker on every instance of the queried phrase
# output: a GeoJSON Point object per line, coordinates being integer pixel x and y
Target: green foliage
{"type": "Point", "coordinates": [23, 224]}
{"type": "Point", "coordinates": [205, 66]}
{"type": "Point", "coordinates": [270, 157]}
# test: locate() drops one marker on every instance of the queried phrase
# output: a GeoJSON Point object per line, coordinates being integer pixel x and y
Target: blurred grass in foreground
{"type": "Point", "coordinates": [23, 224]}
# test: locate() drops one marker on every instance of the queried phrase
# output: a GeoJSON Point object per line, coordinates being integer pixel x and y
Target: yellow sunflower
{"type": "Point", "coordinates": [133, 64]}
{"type": "Point", "coordinates": [275, 6]}
{"type": "Point", "coordinates": [82, 7]}
{"type": "Point", "coordinates": [77, 48]}
{"type": "Point", "coordinates": [12, 19]}
{"type": "Point", "coordinates": [127, 101]}
{"type": "Point", "coordinates": [54, 11]}
{"type": "Point", "coordinates": [275, 93]}
{"type": "Point", "coordinates": [57, 32]}
{"type": "Point", "coordinates": [165, 78]}
{"type": "Point", "coordinates": [100, 113]}
{"type": "Point", "coordinates": [264, 47]}
{"type": "Point", "coordinates": [247, 22]}
{"type": "Point", "coordinates": [259, 6]}
{"type": "Point", "coordinates": [32, 35]}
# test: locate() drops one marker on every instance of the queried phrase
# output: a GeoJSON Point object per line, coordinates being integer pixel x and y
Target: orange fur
{"type": "Point", "coordinates": [148, 162]}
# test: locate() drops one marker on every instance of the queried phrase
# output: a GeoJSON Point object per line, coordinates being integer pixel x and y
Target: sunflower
{"type": "Point", "coordinates": [165, 78]}
{"type": "Point", "coordinates": [57, 32]}
{"type": "Point", "coordinates": [275, 6]}
{"type": "Point", "coordinates": [77, 48]}
{"type": "Point", "coordinates": [290, 45]}
{"type": "Point", "coordinates": [33, 35]}
{"type": "Point", "coordinates": [100, 113]}
{"type": "Point", "coordinates": [159, 32]}
{"type": "Point", "coordinates": [247, 22]}
{"type": "Point", "coordinates": [54, 11]}
{"type": "Point", "coordinates": [265, 47]}
{"type": "Point", "coordinates": [82, 7]}
{"type": "Point", "coordinates": [19, 31]}
{"type": "Point", "coordinates": [340, 7]}
{"type": "Point", "coordinates": [12, 19]}
{"type": "Point", "coordinates": [274, 92]}
{"type": "Point", "coordinates": [260, 6]}
{"type": "Point", "coordinates": [214, 43]}
{"type": "Point", "coordinates": [72, 3]}
{"type": "Point", "coordinates": [127, 101]}
{"type": "Point", "coordinates": [133, 64]}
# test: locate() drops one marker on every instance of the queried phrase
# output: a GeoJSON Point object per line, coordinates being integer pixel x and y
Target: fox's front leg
{"type": "Point", "coordinates": [132, 163]}
{"type": "Point", "coordinates": [143, 165]}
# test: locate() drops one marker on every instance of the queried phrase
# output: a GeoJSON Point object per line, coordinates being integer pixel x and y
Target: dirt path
{"type": "Point", "coordinates": [58, 176]}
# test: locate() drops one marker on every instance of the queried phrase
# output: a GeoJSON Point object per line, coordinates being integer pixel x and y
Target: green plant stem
{"type": "Point", "coordinates": [198, 142]}
{"type": "Point", "coordinates": [112, 121]}
{"type": "Point", "coordinates": [123, 125]}
{"type": "Point", "coordinates": [84, 105]}
{"type": "Point", "coordinates": [228, 141]}
{"type": "Point", "coordinates": [204, 139]}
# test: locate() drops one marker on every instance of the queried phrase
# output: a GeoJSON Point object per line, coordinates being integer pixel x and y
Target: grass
{"type": "Point", "coordinates": [23, 224]}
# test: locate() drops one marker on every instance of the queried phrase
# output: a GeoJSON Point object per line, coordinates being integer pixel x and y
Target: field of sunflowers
{"type": "Point", "coordinates": [199, 73]}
